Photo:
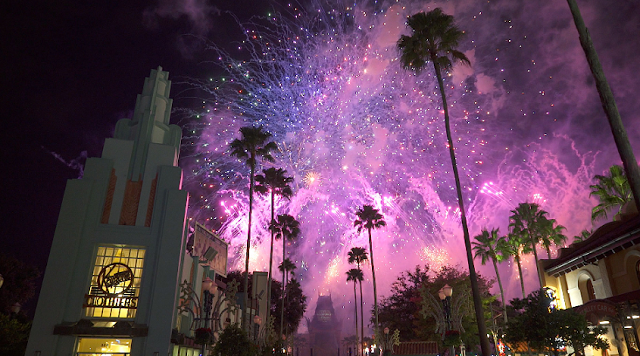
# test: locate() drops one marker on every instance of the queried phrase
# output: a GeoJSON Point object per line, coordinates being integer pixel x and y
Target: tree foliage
{"type": "Point", "coordinates": [296, 301]}
{"type": "Point", "coordinates": [234, 341]}
{"type": "Point", "coordinates": [401, 310]}
{"type": "Point", "coordinates": [19, 282]}
{"type": "Point", "coordinates": [405, 310]}
{"type": "Point", "coordinates": [612, 190]}
{"type": "Point", "coordinates": [547, 329]}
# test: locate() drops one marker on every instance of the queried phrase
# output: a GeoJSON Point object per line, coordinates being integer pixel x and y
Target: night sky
{"type": "Point", "coordinates": [537, 130]}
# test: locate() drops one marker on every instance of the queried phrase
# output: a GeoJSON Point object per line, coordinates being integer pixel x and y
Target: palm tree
{"type": "Point", "coordinates": [369, 218]}
{"type": "Point", "coordinates": [487, 247]}
{"type": "Point", "coordinates": [285, 267]}
{"type": "Point", "coordinates": [285, 227]}
{"type": "Point", "coordinates": [358, 255]}
{"type": "Point", "coordinates": [514, 246]}
{"type": "Point", "coordinates": [434, 39]}
{"type": "Point", "coordinates": [552, 235]}
{"type": "Point", "coordinates": [613, 191]}
{"type": "Point", "coordinates": [273, 181]}
{"type": "Point", "coordinates": [528, 221]}
{"type": "Point", "coordinates": [253, 144]}
{"type": "Point", "coordinates": [608, 104]}
{"type": "Point", "coordinates": [355, 275]}
{"type": "Point", "coordinates": [584, 234]}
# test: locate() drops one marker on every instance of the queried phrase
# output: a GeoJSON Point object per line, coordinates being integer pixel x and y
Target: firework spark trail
{"type": "Point", "coordinates": [353, 127]}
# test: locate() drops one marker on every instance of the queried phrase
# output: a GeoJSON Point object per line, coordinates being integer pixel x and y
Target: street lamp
{"type": "Point", "coordinates": [207, 299]}
{"type": "Point", "coordinates": [257, 320]}
{"type": "Point", "coordinates": [445, 296]}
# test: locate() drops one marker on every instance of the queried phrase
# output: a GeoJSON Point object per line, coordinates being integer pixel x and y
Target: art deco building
{"type": "Point", "coordinates": [111, 282]}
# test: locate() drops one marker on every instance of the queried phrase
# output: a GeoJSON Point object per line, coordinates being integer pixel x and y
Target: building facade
{"type": "Point", "coordinates": [600, 277]}
{"type": "Point", "coordinates": [111, 283]}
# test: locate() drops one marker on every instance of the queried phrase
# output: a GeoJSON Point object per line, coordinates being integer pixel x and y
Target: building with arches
{"type": "Point", "coordinates": [600, 277]}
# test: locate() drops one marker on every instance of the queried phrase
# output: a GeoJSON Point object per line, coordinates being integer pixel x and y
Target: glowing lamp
{"type": "Point", "coordinates": [386, 331]}
{"type": "Point", "coordinates": [257, 319]}
{"type": "Point", "coordinates": [448, 290]}
{"type": "Point", "coordinates": [207, 284]}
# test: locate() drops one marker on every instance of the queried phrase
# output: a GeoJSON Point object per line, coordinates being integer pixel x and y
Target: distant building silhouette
{"type": "Point", "coordinates": [325, 328]}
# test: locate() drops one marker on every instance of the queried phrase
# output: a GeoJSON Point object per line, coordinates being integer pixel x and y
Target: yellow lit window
{"type": "Point", "coordinates": [115, 283]}
{"type": "Point", "coordinates": [103, 347]}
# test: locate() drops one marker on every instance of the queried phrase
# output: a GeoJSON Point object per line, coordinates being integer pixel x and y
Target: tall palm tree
{"type": "Point", "coordinates": [552, 235]}
{"type": "Point", "coordinates": [355, 275]}
{"type": "Point", "coordinates": [369, 218]}
{"type": "Point", "coordinates": [276, 182]}
{"type": "Point", "coordinates": [613, 191]}
{"type": "Point", "coordinates": [487, 247]}
{"type": "Point", "coordinates": [285, 227]}
{"type": "Point", "coordinates": [358, 255]}
{"type": "Point", "coordinates": [515, 246]}
{"type": "Point", "coordinates": [608, 104]}
{"type": "Point", "coordinates": [434, 38]}
{"type": "Point", "coordinates": [254, 144]}
{"type": "Point", "coordinates": [528, 221]}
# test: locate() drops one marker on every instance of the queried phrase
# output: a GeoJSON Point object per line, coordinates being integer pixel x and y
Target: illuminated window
{"type": "Point", "coordinates": [115, 283]}
{"type": "Point", "coordinates": [103, 347]}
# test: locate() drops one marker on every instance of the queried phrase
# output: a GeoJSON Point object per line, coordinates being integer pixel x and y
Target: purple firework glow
{"type": "Point", "coordinates": [354, 128]}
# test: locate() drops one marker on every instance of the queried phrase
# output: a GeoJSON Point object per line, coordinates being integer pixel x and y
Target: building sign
{"type": "Point", "coordinates": [115, 284]}
{"type": "Point", "coordinates": [596, 311]}
{"type": "Point", "coordinates": [115, 278]}
{"type": "Point", "coordinates": [211, 249]}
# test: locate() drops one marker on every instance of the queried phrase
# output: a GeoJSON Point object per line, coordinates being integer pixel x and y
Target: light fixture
{"type": "Point", "coordinates": [386, 331]}
{"type": "Point", "coordinates": [604, 322]}
{"type": "Point", "coordinates": [448, 290]}
{"type": "Point", "coordinates": [206, 284]}
{"type": "Point", "coordinates": [635, 316]}
{"type": "Point", "coordinates": [441, 294]}
{"type": "Point", "coordinates": [257, 319]}
{"type": "Point", "coordinates": [628, 326]}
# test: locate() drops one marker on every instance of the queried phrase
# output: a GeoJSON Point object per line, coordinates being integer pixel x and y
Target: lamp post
{"type": "Point", "coordinates": [445, 296]}
{"type": "Point", "coordinates": [207, 301]}
{"type": "Point", "coordinates": [257, 321]}
{"type": "Point", "coordinates": [207, 314]}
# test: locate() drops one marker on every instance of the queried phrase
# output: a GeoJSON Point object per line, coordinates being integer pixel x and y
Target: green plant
{"type": "Point", "coordinates": [234, 341]}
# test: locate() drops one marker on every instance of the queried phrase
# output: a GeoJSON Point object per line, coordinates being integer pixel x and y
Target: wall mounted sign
{"type": "Point", "coordinates": [114, 288]}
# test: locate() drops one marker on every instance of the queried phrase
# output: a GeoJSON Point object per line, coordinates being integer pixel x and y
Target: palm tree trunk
{"type": "Point", "coordinates": [477, 300]}
{"type": "Point", "coordinates": [375, 289]}
{"type": "Point", "coordinates": [535, 256]}
{"type": "Point", "coordinates": [549, 252]}
{"type": "Point", "coordinates": [355, 305]}
{"type": "Point", "coordinates": [608, 104]}
{"type": "Point", "coordinates": [504, 304]}
{"type": "Point", "coordinates": [284, 249]}
{"type": "Point", "coordinates": [270, 260]}
{"type": "Point", "coordinates": [245, 315]}
{"type": "Point", "coordinates": [361, 319]}
{"type": "Point", "coordinates": [517, 258]}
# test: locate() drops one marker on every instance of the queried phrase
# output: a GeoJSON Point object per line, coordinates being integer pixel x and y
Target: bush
{"type": "Point", "coordinates": [234, 342]}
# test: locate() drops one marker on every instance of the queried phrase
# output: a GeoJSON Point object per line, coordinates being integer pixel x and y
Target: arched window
{"type": "Point", "coordinates": [585, 284]}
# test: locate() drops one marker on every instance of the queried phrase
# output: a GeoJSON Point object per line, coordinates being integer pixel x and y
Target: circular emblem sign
{"type": "Point", "coordinates": [115, 278]}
